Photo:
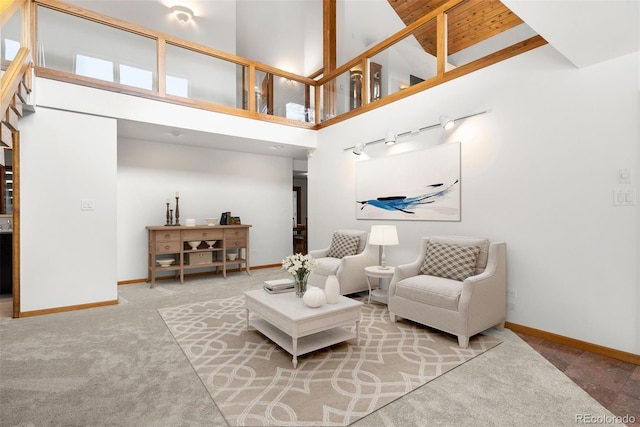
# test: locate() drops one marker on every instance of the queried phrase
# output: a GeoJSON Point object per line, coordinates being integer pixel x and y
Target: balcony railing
{"type": "Point", "coordinates": [83, 47]}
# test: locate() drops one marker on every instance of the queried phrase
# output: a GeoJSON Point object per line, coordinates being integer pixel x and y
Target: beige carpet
{"type": "Point", "coordinates": [252, 380]}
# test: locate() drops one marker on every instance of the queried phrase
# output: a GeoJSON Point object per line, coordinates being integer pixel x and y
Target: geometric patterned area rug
{"type": "Point", "coordinates": [252, 380]}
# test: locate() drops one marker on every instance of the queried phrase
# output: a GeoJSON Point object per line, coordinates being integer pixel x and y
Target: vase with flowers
{"type": "Point", "coordinates": [299, 266]}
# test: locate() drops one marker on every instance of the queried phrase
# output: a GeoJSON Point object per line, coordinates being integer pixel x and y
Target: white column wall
{"type": "Point", "coordinates": [67, 255]}
{"type": "Point", "coordinates": [256, 188]}
{"type": "Point", "coordinates": [538, 172]}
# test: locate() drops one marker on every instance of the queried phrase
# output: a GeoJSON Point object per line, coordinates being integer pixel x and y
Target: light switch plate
{"type": "Point", "coordinates": [87, 205]}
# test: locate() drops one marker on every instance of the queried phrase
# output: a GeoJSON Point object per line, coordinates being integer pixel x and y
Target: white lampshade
{"type": "Point", "coordinates": [384, 235]}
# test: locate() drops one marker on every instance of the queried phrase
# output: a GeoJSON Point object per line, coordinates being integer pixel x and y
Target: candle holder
{"type": "Point", "coordinates": [168, 217]}
{"type": "Point", "coordinates": [177, 211]}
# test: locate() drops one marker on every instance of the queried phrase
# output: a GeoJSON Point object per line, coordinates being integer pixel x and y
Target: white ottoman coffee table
{"type": "Point", "coordinates": [298, 329]}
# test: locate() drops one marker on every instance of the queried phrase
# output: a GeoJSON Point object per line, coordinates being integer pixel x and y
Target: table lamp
{"type": "Point", "coordinates": [383, 235]}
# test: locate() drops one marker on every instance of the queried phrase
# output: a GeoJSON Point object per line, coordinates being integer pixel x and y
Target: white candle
{"type": "Point", "coordinates": [177, 194]}
{"type": "Point", "coordinates": [167, 200]}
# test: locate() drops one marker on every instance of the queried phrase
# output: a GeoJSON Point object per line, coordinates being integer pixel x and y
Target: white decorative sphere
{"type": "Point", "coordinates": [314, 297]}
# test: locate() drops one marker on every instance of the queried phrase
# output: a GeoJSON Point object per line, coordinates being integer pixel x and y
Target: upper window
{"type": "Point", "coordinates": [11, 48]}
{"type": "Point", "coordinates": [93, 67]}
{"type": "Point", "coordinates": [177, 86]}
{"type": "Point", "coordinates": [137, 77]}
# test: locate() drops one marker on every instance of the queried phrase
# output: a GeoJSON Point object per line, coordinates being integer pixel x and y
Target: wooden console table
{"type": "Point", "coordinates": [171, 242]}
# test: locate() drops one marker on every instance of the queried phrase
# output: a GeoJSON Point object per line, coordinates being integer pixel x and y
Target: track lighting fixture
{"type": "Point", "coordinates": [358, 149]}
{"type": "Point", "coordinates": [445, 123]}
{"type": "Point", "coordinates": [390, 139]}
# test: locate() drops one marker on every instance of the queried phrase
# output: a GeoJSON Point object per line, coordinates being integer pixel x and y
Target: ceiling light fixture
{"type": "Point", "coordinates": [182, 13]}
{"type": "Point", "coordinates": [445, 123]}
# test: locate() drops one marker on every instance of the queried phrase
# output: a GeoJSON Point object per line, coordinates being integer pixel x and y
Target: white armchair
{"type": "Point", "coordinates": [460, 307]}
{"type": "Point", "coordinates": [348, 269]}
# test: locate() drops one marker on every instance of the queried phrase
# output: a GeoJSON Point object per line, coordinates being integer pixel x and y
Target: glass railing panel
{"type": "Point", "coordinates": [363, 24]}
{"type": "Point", "coordinates": [290, 99]}
{"type": "Point", "coordinates": [86, 48]}
{"type": "Point", "coordinates": [337, 96]}
{"type": "Point", "coordinates": [262, 89]}
{"type": "Point", "coordinates": [202, 77]}
{"type": "Point", "coordinates": [467, 26]}
{"type": "Point", "coordinates": [10, 43]}
{"type": "Point", "coordinates": [405, 63]}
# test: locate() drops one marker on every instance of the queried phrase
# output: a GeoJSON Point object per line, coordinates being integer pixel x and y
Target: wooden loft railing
{"type": "Point", "coordinates": [159, 93]}
{"type": "Point", "coordinates": [439, 15]}
{"type": "Point", "coordinates": [318, 85]}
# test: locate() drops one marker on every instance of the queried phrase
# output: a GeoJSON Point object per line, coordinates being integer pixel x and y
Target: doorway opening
{"type": "Point", "coordinates": [300, 222]}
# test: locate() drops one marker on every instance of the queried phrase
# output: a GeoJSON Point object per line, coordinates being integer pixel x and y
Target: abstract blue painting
{"type": "Point", "coordinates": [419, 185]}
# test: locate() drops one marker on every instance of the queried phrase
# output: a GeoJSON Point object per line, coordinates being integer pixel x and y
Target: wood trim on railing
{"type": "Point", "coordinates": [99, 18]}
{"type": "Point", "coordinates": [517, 49]}
{"type": "Point", "coordinates": [161, 50]}
{"type": "Point", "coordinates": [12, 77]}
{"type": "Point", "coordinates": [142, 93]}
{"type": "Point", "coordinates": [572, 342]}
{"type": "Point", "coordinates": [395, 38]}
{"type": "Point", "coordinates": [8, 8]}
{"type": "Point", "coordinates": [327, 76]}
{"type": "Point", "coordinates": [316, 73]}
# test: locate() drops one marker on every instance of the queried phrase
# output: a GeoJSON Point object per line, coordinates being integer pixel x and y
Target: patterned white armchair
{"type": "Point", "coordinates": [346, 258]}
{"type": "Point", "coordinates": [457, 284]}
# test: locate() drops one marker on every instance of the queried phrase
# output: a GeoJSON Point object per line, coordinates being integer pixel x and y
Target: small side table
{"type": "Point", "coordinates": [381, 294]}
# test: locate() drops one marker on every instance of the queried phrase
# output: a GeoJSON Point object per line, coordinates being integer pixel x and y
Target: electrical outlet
{"type": "Point", "coordinates": [511, 306]}
{"type": "Point", "coordinates": [512, 293]}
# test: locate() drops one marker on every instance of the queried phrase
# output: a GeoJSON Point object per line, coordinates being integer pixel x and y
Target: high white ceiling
{"type": "Point", "coordinates": [584, 31]}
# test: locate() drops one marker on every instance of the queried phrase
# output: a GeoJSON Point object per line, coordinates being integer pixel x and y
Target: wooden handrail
{"type": "Point", "coordinates": [8, 8]}
{"type": "Point", "coordinates": [13, 77]}
{"type": "Point", "coordinates": [393, 39]}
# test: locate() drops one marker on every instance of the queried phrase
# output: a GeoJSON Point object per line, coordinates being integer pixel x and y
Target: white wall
{"type": "Point", "coordinates": [538, 172]}
{"type": "Point", "coordinates": [67, 255]}
{"type": "Point", "coordinates": [72, 257]}
{"type": "Point", "coordinates": [72, 97]}
{"type": "Point", "coordinates": [254, 187]}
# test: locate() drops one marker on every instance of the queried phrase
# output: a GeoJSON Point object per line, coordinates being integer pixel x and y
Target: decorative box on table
{"type": "Point", "coordinates": [199, 258]}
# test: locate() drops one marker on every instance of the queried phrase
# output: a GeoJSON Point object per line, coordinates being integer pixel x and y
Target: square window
{"type": "Point", "coordinates": [11, 48]}
{"type": "Point", "coordinates": [177, 86]}
{"type": "Point", "coordinates": [137, 77]}
{"type": "Point", "coordinates": [93, 67]}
